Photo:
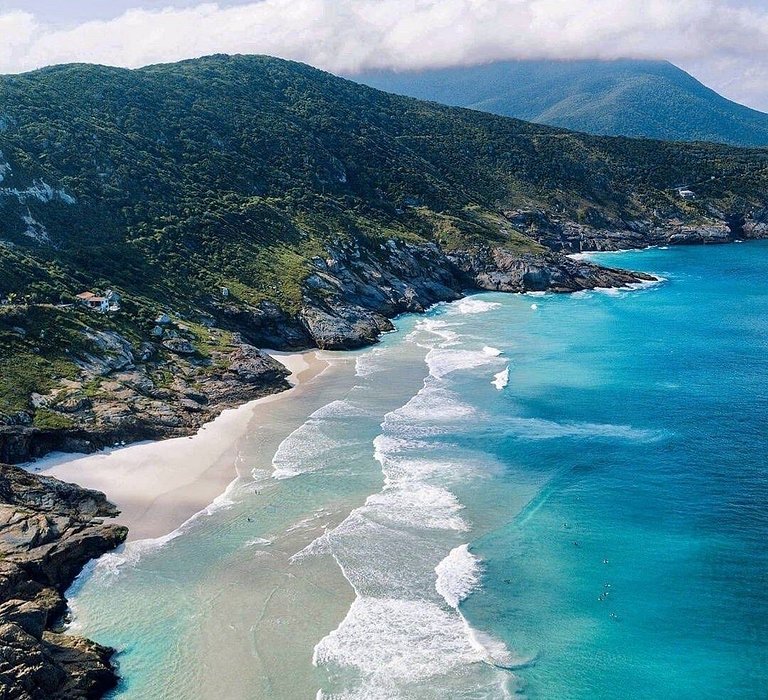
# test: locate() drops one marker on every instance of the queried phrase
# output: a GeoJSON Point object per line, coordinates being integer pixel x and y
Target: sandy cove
{"type": "Point", "coordinates": [158, 486]}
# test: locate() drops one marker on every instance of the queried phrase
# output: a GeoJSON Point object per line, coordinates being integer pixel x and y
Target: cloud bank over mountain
{"type": "Point", "coordinates": [723, 42]}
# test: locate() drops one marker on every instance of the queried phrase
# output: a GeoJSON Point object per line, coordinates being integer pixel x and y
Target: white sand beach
{"type": "Point", "coordinates": [159, 485]}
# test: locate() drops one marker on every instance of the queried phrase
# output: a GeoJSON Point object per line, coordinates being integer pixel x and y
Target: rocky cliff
{"type": "Point", "coordinates": [354, 291]}
{"type": "Point", "coordinates": [597, 232]}
{"type": "Point", "coordinates": [193, 369]}
{"type": "Point", "coordinates": [48, 531]}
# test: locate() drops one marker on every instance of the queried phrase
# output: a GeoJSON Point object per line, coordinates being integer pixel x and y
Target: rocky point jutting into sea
{"type": "Point", "coordinates": [48, 531]}
{"type": "Point", "coordinates": [347, 303]}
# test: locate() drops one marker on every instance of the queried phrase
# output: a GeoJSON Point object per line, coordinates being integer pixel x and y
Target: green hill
{"type": "Point", "coordinates": [173, 179]}
{"type": "Point", "coordinates": [653, 99]}
{"type": "Point", "coordinates": [259, 200]}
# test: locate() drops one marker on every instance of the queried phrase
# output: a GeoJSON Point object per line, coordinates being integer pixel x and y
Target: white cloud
{"type": "Point", "coordinates": [723, 41]}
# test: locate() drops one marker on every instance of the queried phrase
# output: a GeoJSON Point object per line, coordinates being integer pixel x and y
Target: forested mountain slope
{"type": "Point", "coordinates": [653, 99]}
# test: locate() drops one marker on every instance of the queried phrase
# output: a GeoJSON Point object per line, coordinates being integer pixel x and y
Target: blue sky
{"type": "Point", "coordinates": [724, 43]}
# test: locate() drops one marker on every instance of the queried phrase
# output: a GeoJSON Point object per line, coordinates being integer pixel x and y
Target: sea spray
{"type": "Point", "coordinates": [501, 379]}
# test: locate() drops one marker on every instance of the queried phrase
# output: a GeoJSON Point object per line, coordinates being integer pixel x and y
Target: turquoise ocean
{"type": "Point", "coordinates": [545, 496]}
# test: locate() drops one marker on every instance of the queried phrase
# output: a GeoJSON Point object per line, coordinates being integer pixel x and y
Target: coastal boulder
{"type": "Point", "coordinates": [253, 366]}
{"type": "Point", "coordinates": [179, 346]}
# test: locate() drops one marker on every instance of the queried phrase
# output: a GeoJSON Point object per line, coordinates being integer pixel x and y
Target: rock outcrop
{"type": "Point", "coordinates": [126, 397]}
{"type": "Point", "coordinates": [48, 531]}
{"type": "Point", "coordinates": [596, 233]}
{"type": "Point", "coordinates": [501, 271]}
{"type": "Point", "coordinates": [353, 292]}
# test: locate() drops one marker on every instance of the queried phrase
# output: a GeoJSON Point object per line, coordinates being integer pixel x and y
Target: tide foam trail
{"type": "Point", "coordinates": [306, 448]}
{"type": "Point", "coordinates": [540, 429]}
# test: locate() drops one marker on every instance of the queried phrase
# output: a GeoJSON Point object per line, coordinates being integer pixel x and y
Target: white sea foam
{"type": "Point", "coordinates": [440, 329]}
{"type": "Point", "coordinates": [491, 352]}
{"type": "Point", "coordinates": [432, 404]}
{"type": "Point", "coordinates": [443, 361]}
{"type": "Point", "coordinates": [472, 305]}
{"type": "Point", "coordinates": [418, 504]}
{"type": "Point", "coordinates": [258, 542]}
{"type": "Point", "coordinates": [494, 651]}
{"type": "Point", "coordinates": [540, 429]}
{"type": "Point", "coordinates": [401, 467]}
{"type": "Point", "coordinates": [501, 379]}
{"type": "Point", "coordinates": [631, 287]}
{"type": "Point", "coordinates": [457, 575]}
{"type": "Point", "coordinates": [399, 647]}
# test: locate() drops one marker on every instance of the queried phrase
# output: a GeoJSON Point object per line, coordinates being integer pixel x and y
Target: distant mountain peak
{"type": "Point", "coordinates": [625, 97]}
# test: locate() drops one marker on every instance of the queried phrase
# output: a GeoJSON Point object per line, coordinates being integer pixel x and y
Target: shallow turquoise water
{"type": "Point", "coordinates": [594, 529]}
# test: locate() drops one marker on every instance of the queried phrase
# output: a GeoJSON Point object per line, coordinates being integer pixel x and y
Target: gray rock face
{"type": "Point", "coordinates": [354, 291]}
{"type": "Point", "coordinates": [180, 346]}
{"type": "Point", "coordinates": [596, 233]}
{"type": "Point", "coordinates": [48, 531]}
{"type": "Point", "coordinates": [251, 366]}
{"type": "Point", "coordinates": [499, 270]}
{"type": "Point", "coordinates": [352, 294]}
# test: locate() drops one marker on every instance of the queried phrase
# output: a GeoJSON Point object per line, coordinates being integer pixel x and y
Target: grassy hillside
{"type": "Point", "coordinates": [623, 98]}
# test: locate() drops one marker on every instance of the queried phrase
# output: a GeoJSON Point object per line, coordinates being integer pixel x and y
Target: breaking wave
{"type": "Point", "coordinates": [457, 575]}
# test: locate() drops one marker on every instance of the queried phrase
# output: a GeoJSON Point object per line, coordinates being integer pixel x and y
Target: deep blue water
{"type": "Point", "coordinates": [639, 569]}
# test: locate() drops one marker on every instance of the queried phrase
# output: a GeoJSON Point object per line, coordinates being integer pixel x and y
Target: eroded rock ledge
{"type": "Point", "coordinates": [48, 531]}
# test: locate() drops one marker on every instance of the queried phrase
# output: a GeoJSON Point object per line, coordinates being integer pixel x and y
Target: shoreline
{"type": "Point", "coordinates": [154, 483]}
{"type": "Point", "coordinates": [154, 503]}
{"type": "Point", "coordinates": [159, 485]}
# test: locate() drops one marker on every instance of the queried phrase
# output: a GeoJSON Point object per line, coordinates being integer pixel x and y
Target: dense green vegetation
{"type": "Point", "coordinates": [622, 98]}
{"type": "Point", "coordinates": [173, 181]}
